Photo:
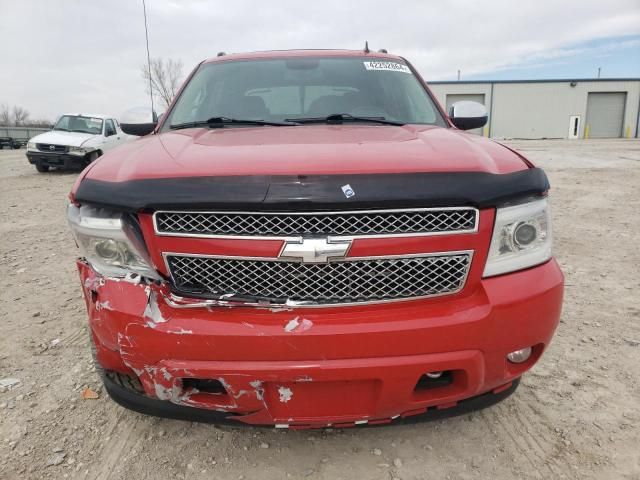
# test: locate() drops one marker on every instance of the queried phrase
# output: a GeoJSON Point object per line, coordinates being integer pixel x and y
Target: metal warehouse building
{"type": "Point", "coordinates": [591, 108]}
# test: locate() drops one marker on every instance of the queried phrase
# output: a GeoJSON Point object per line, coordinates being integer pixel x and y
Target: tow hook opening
{"type": "Point", "coordinates": [204, 385]}
{"type": "Point", "coordinates": [436, 379]}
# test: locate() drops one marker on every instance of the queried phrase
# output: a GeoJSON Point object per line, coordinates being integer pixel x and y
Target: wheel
{"type": "Point", "coordinates": [93, 156]}
{"type": "Point", "coordinates": [42, 168]}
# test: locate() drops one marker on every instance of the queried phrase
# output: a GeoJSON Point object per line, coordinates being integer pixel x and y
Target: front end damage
{"type": "Point", "coordinates": [216, 298]}
{"type": "Point", "coordinates": [309, 368]}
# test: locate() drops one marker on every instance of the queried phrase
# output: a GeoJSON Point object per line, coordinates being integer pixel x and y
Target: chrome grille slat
{"type": "Point", "coordinates": [347, 281]}
{"type": "Point", "coordinates": [46, 147]}
{"type": "Point", "coordinates": [355, 223]}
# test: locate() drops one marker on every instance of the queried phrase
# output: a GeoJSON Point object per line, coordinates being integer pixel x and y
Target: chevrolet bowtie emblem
{"type": "Point", "coordinates": [315, 250]}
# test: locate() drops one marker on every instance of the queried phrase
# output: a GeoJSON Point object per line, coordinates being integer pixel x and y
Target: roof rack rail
{"type": "Point", "coordinates": [383, 50]}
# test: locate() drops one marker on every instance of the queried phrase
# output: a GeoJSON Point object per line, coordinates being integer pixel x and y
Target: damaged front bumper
{"type": "Point", "coordinates": [300, 368]}
{"type": "Point", "coordinates": [58, 160]}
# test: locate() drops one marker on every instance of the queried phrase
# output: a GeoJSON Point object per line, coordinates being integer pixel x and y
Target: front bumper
{"type": "Point", "coordinates": [138, 402]}
{"type": "Point", "coordinates": [336, 366]}
{"type": "Point", "coordinates": [58, 160]}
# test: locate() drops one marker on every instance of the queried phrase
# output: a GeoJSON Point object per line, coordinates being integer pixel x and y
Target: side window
{"type": "Point", "coordinates": [109, 128]}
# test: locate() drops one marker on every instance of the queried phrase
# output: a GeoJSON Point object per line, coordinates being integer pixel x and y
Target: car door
{"type": "Point", "coordinates": [112, 137]}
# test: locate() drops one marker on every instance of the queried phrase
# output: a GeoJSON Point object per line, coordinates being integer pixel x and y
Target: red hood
{"type": "Point", "coordinates": [304, 150]}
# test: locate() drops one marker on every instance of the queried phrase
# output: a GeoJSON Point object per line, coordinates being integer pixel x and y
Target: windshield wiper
{"type": "Point", "coordinates": [61, 129]}
{"type": "Point", "coordinates": [344, 117]}
{"type": "Point", "coordinates": [217, 122]}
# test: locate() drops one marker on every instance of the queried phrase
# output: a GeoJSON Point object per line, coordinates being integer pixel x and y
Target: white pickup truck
{"type": "Point", "coordinates": [75, 141]}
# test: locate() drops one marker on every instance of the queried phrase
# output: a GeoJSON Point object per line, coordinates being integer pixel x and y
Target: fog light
{"type": "Point", "coordinates": [519, 356]}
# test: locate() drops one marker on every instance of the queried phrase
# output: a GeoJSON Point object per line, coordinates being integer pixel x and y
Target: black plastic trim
{"type": "Point", "coordinates": [469, 123]}
{"type": "Point", "coordinates": [138, 129]}
{"type": "Point", "coordinates": [316, 192]}
{"type": "Point", "coordinates": [59, 160]}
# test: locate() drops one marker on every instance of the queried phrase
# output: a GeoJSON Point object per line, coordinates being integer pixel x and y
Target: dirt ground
{"type": "Point", "coordinates": [575, 415]}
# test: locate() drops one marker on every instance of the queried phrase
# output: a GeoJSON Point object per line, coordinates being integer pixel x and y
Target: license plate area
{"type": "Point", "coordinates": [309, 399]}
{"type": "Point", "coordinates": [51, 160]}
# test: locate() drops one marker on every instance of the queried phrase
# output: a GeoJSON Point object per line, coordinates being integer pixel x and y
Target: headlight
{"type": "Point", "coordinates": [521, 238]}
{"type": "Point", "coordinates": [78, 150]}
{"type": "Point", "coordinates": [109, 243]}
{"type": "Point", "coordinates": [31, 146]}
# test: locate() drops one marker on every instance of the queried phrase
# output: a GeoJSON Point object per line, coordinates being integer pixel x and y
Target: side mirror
{"type": "Point", "coordinates": [467, 115]}
{"type": "Point", "coordinates": [138, 121]}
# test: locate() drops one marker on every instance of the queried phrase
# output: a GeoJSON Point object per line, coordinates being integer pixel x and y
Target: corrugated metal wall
{"type": "Point", "coordinates": [542, 109]}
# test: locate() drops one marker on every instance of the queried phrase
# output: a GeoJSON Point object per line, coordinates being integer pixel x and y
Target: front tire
{"type": "Point", "coordinates": [93, 156]}
{"type": "Point", "coordinates": [42, 168]}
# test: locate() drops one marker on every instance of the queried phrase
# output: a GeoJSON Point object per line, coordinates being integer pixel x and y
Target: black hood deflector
{"type": "Point", "coordinates": [315, 192]}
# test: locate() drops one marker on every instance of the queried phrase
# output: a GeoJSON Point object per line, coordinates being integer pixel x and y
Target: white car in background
{"type": "Point", "coordinates": [76, 140]}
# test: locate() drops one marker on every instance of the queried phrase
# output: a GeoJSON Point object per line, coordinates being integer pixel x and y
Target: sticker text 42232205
{"type": "Point", "coordinates": [389, 66]}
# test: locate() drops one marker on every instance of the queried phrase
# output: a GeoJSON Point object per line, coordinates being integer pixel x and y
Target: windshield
{"type": "Point", "coordinates": [279, 90]}
{"type": "Point", "coordinates": [78, 123]}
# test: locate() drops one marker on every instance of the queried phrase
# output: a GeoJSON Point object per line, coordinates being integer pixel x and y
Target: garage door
{"type": "Point", "coordinates": [605, 114]}
{"type": "Point", "coordinates": [471, 97]}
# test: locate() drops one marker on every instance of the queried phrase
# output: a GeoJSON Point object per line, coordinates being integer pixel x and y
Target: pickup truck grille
{"type": "Point", "coordinates": [373, 222]}
{"type": "Point", "coordinates": [46, 147]}
{"type": "Point", "coordinates": [354, 280]}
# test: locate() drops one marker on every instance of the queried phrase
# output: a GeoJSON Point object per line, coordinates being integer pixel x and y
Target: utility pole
{"type": "Point", "coordinates": [458, 75]}
{"type": "Point", "coordinates": [598, 72]}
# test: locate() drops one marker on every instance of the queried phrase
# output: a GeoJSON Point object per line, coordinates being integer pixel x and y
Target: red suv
{"type": "Point", "coordinates": [306, 239]}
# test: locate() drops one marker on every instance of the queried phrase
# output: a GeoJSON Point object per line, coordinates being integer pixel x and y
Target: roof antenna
{"type": "Point", "coordinates": [366, 47]}
{"type": "Point", "coordinates": [146, 34]}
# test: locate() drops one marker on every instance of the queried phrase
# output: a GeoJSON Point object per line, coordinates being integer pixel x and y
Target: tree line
{"type": "Point", "coordinates": [18, 116]}
{"type": "Point", "coordinates": [164, 77]}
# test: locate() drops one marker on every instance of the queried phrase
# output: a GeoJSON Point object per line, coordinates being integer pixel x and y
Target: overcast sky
{"type": "Point", "coordinates": [64, 55]}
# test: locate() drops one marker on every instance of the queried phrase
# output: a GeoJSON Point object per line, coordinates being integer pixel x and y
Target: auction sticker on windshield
{"type": "Point", "coordinates": [390, 66]}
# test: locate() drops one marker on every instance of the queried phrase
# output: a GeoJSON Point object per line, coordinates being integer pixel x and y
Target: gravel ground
{"type": "Point", "coordinates": [576, 415]}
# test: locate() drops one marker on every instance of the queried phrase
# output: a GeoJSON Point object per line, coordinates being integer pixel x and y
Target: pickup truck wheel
{"type": "Point", "coordinates": [42, 168]}
{"type": "Point", "coordinates": [125, 381]}
{"type": "Point", "coordinates": [93, 156]}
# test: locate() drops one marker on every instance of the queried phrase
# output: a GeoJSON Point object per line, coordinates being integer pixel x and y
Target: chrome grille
{"type": "Point", "coordinates": [345, 281]}
{"type": "Point", "coordinates": [46, 147]}
{"type": "Point", "coordinates": [377, 222]}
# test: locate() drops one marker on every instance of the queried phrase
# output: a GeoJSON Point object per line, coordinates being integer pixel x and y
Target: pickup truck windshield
{"type": "Point", "coordinates": [79, 123]}
{"type": "Point", "coordinates": [305, 89]}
